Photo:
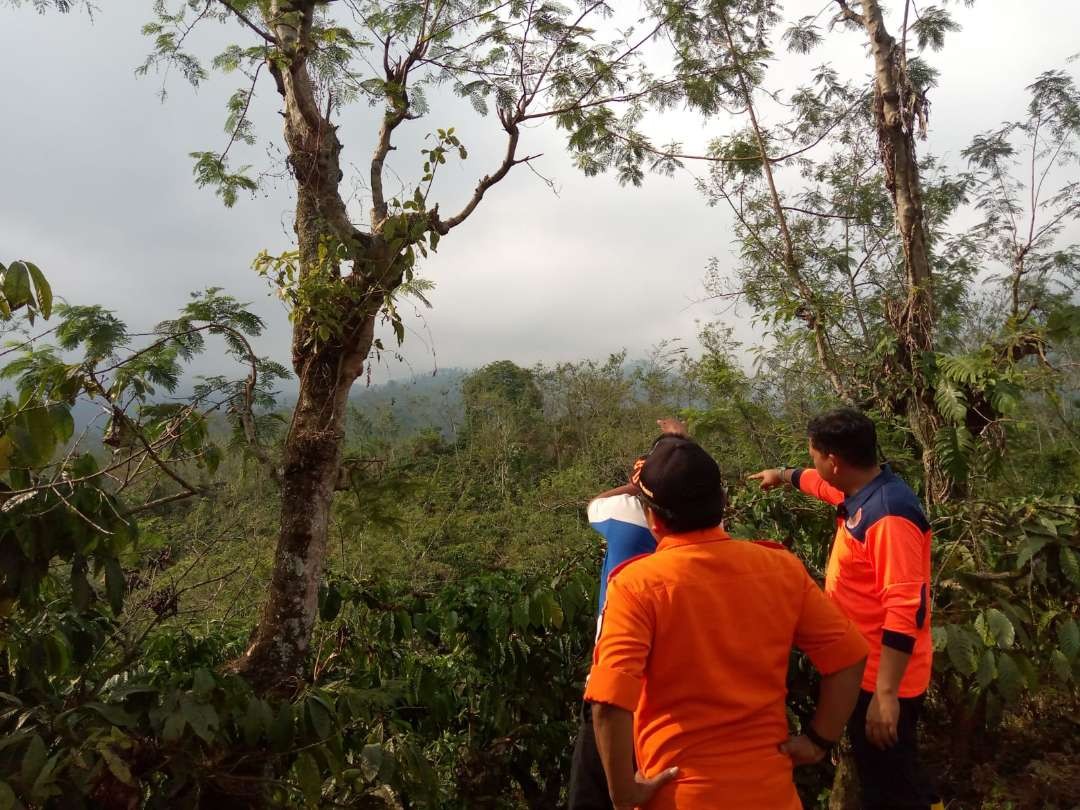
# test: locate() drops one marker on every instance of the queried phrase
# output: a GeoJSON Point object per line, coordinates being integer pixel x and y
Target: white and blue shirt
{"type": "Point", "coordinates": [620, 520]}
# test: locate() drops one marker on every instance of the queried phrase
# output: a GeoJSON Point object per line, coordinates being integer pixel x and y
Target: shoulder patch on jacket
{"type": "Point", "coordinates": [894, 499]}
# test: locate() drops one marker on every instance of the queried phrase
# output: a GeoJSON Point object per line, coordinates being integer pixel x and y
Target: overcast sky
{"type": "Point", "coordinates": [96, 187]}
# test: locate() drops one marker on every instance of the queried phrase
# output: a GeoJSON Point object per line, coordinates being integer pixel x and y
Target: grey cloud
{"type": "Point", "coordinates": [97, 187]}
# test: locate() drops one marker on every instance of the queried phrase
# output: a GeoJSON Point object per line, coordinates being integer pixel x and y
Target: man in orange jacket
{"type": "Point", "coordinates": [879, 576]}
{"type": "Point", "coordinates": [690, 666]}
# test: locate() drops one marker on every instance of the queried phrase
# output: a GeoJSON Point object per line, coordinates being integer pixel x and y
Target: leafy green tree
{"type": "Point", "coordinates": [503, 423]}
{"type": "Point", "coordinates": [844, 232]}
{"type": "Point", "coordinates": [504, 382]}
{"type": "Point", "coordinates": [67, 517]}
{"type": "Point", "coordinates": [521, 62]}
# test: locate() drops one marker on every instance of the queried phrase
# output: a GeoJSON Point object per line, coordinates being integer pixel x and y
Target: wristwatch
{"type": "Point", "coordinates": [818, 740]}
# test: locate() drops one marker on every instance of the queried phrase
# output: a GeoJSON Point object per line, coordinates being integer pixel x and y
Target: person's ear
{"type": "Point", "coordinates": [656, 523]}
{"type": "Point", "coordinates": [834, 463]}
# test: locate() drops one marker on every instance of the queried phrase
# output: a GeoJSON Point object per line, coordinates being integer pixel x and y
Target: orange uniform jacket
{"type": "Point", "coordinates": [695, 639]}
{"type": "Point", "coordinates": [879, 570]}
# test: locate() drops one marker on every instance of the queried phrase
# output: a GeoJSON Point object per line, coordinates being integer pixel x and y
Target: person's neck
{"type": "Point", "coordinates": [859, 479]}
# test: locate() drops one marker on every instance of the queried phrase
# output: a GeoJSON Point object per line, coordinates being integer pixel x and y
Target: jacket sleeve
{"type": "Point", "coordinates": [622, 650]}
{"type": "Point", "coordinates": [825, 634]}
{"type": "Point", "coordinates": [810, 483]}
{"type": "Point", "coordinates": [900, 555]}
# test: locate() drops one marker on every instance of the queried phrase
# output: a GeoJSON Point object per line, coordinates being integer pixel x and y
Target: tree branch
{"type": "Point", "coordinates": [821, 214]}
{"type": "Point", "coordinates": [443, 227]}
{"type": "Point", "coordinates": [790, 262]}
{"type": "Point", "coordinates": [397, 77]}
{"type": "Point", "coordinates": [146, 507]}
{"type": "Point", "coordinates": [847, 14]}
{"type": "Point", "coordinates": [391, 120]}
{"type": "Point", "coordinates": [245, 412]}
{"type": "Point", "coordinates": [247, 21]}
{"type": "Point", "coordinates": [622, 99]}
{"type": "Point", "coordinates": [243, 115]}
{"type": "Point", "coordinates": [556, 51]}
{"type": "Point", "coordinates": [521, 58]}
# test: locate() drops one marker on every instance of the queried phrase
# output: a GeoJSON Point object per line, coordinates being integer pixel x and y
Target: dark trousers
{"type": "Point", "coordinates": [892, 779]}
{"type": "Point", "coordinates": [588, 782]}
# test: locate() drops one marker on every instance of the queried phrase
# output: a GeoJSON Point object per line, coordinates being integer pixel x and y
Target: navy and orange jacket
{"type": "Point", "coordinates": [879, 570]}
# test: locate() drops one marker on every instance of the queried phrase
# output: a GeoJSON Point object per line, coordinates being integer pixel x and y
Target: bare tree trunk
{"type": "Point", "coordinates": [326, 366]}
{"type": "Point", "coordinates": [897, 107]}
{"type": "Point", "coordinates": [312, 458]}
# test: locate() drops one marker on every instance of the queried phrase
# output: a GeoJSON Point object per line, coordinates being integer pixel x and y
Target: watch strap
{"type": "Point", "coordinates": [817, 739]}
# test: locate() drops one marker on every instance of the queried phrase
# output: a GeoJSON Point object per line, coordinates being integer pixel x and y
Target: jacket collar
{"type": "Point", "coordinates": [714, 534]}
{"type": "Point", "coordinates": [853, 503]}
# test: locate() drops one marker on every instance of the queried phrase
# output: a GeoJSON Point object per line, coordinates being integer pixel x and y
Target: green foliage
{"type": "Point", "coordinates": [457, 613]}
{"type": "Point", "coordinates": [998, 646]}
{"type": "Point", "coordinates": [315, 296]}
{"type": "Point", "coordinates": [931, 26]}
{"type": "Point", "coordinates": [438, 648]}
{"type": "Point", "coordinates": [32, 431]}
{"type": "Point", "coordinates": [23, 287]}
{"type": "Point", "coordinates": [818, 263]}
{"type": "Point", "coordinates": [66, 534]}
{"type": "Point", "coordinates": [168, 33]}
{"type": "Point", "coordinates": [465, 577]}
{"type": "Point", "coordinates": [394, 704]}
{"type": "Point", "coordinates": [212, 169]}
{"type": "Point", "coordinates": [951, 402]}
{"type": "Point", "coordinates": [954, 446]}
{"type": "Point", "coordinates": [326, 303]}
{"type": "Point", "coordinates": [802, 36]}
{"type": "Point", "coordinates": [503, 382]}
{"type": "Point", "coordinates": [62, 6]}
{"type": "Point", "coordinates": [238, 125]}
{"type": "Point", "coordinates": [210, 311]}
{"type": "Point", "coordinates": [97, 331]}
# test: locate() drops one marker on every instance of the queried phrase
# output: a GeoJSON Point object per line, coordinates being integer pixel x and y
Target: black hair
{"type": "Point", "coordinates": [847, 433]}
{"type": "Point", "coordinates": [701, 518]}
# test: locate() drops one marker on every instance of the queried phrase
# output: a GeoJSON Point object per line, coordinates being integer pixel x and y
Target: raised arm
{"type": "Point", "coordinates": [805, 480]}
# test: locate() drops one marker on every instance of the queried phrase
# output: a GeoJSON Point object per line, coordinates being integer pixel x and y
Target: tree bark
{"type": "Point", "coordinates": [897, 106]}
{"type": "Point", "coordinates": [326, 366]}
{"type": "Point", "coordinates": [312, 459]}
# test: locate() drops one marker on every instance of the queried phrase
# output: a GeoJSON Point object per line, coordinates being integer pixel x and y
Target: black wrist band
{"type": "Point", "coordinates": [817, 739]}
